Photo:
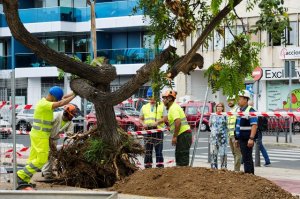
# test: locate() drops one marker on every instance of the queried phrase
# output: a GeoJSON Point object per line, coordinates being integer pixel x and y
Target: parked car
{"type": "Point", "coordinates": [127, 118]}
{"type": "Point", "coordinates": [5, 128]}
{"type": "Point", "coordinates": [193, 110]}
{"type": "Point", "coordinates": [24, 119]}
{"type": "Point", "coordinates": [136, 103]}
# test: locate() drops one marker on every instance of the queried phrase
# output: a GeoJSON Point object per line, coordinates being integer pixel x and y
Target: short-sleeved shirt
{"type": "Point", "coordinates": [252, 120]}
{"type": "Point", "coordinates": [176, 112]}
{"type": "Point", "coordinates": [165, 113]}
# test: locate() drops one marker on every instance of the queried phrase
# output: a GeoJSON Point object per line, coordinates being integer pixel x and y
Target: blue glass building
{"type": "Point", "coordinates": [64, 25]}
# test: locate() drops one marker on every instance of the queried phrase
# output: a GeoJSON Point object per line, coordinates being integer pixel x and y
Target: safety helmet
{"type": "Point", "coordinates": [71, 109]}
{"type": "Point", "coordinates": [230, 98]}
{"type": "Point", "coordinates": [149, 92]}
{"type": "Point", "coordinates": [57, 92]}
{"type": "Point", "coordinates": [170, 93]}
{"type": "Point", "coordinates": [245, 93]}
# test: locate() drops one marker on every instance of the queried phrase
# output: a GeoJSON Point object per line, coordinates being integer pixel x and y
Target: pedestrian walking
{"type": "Point", "coordinates": [153, 116]}
{"type": "Point", "coordinates": [262, 124]}
{"type": "Point", "coordinates": [218, 138]}
{"type": "Point", "coordinates": [62, 124]}
{"type": "Point", "coordinates": [245, 132]}
{"type": "Point", "coordinates": [179, 127]}
{"type": "Point", "coordinates": [231, 120]}
{"type": "Point", "coordinates": [40, 133]}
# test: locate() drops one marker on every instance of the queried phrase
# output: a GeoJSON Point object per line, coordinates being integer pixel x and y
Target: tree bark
{"type": "Point", "coordinates": [106, 123]}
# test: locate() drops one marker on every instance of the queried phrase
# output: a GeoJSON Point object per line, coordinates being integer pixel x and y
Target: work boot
{"type": "Point", "coordinates": [148, 166]}
{"type": "Point", "coordinates": [20, 181]}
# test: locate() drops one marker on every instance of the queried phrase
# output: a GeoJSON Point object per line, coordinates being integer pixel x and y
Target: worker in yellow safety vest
{"type": "Point", "coordinates": [62, 124]}
{"type": "Point", "coordinates": [40, 133]}
{"type": "Point", "coordinates": [231, 120]}
{"type": "Point", "coordinates": [153, 116]}
{"type": "Point", "coordinates": [179, 127]}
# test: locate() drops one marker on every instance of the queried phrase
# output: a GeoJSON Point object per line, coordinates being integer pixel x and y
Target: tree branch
{"type": "Point", "coordinates": [182, 65]}
{"type": "Point", "coordinates": [60, 60]}
{"type": "Point", "coordinates": [142, 76]}
{"type": "Point", "coordinates": [89, 92]}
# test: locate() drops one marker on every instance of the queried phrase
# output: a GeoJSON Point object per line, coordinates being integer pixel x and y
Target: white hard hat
{"type": "Point", "coordinates": [245, 93]}
{"type": "Point", "coordinates": [230, 98]}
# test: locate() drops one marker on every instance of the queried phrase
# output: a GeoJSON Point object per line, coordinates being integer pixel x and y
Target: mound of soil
{"type": "Point", "coordinates": [200, 183]}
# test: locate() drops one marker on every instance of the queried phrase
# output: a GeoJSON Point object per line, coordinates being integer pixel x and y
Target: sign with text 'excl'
{"type": "Point", "coordinates": [278, 74]}
{"type": "Point", "coordinates": [290, 53]}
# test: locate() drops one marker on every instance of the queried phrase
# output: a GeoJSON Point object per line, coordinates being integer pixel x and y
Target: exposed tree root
{"type": "Point", "coordinates": [86, 161]}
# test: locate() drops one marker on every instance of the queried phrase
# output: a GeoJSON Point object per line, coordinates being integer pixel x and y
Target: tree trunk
{"type": "Point", "coordinates": [107, 124]}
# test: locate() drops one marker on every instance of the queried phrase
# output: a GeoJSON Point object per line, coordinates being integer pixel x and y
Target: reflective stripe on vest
{"type": "Point", "coordinates": [42, 122]}
{"type": "Point", "coordinates": [48, 130]}
{"type": "Point", "coordinates": [246, 128]}
{"type": "Point", "coordinates": [183, 122]}
{"type": "Point", "coordinates": [43, 117]}
{"type": "Point", "coordinates": [151, 117]}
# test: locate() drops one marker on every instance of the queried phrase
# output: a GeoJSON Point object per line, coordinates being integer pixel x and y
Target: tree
{"type": "Point", "coordinates": [108, 150]}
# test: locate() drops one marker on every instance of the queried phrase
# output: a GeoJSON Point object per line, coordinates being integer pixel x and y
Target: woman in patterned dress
{"type": "Point", "coordinates": [218, 138]}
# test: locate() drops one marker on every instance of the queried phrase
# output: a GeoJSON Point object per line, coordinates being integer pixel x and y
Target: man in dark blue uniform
{"type": "Point", "coordinates": [245, 131]}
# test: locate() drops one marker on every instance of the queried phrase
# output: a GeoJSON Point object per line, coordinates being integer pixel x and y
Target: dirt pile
{"type": "Point", "coordinates": [200, 183]}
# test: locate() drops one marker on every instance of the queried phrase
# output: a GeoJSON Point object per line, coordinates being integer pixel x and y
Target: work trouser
{"type": "Point", "coordinates": [47, 168]}
{"type": "Point", "coordinates": [154, 140]}
{"type": "Point", "coordinates": [236, 152]}
{"type": "Point", "coordinates": [182, 151]}
{"type": "Point", "coordinates": [38, 156]}
{"type": "Point", "coordinates": [247, 156]}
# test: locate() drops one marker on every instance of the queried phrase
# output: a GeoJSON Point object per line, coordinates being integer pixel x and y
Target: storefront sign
{"type": "Point", "coordinates": [290, 53]}
{"type": "Point", "coordinates": [277, 74]}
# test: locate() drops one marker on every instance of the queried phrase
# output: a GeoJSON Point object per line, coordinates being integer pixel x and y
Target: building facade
{"type": "Point", "coordinates": [272, 91]}
{"type": "Point", "coordinates": [64, 25]}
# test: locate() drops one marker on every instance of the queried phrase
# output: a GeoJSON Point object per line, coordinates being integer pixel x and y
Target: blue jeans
{"type": "Point", "coordinates": [262, 148]}
{"type": "Point", "coordinates": [154, 140]}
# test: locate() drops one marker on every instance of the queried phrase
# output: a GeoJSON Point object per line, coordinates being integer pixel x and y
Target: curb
{"type": "Point", "coordinates": [287, 145]}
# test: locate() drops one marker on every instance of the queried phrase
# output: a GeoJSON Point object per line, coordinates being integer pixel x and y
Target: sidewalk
{"type": "Point", "coordinates": [270, 140]}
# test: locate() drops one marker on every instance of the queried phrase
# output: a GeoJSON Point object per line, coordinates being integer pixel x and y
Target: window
{"type": "Point", "coordinates": [51, 43]}
{"type": "Point", "coordinates": [65, 3]}
{"type": "Point", "coordinates": [50, 3]}
{"type": "Point", "coordinates": [81, 43]}
{"type": "Point", "coordinates": [291, 35]}
{"type": "Point", "coordinates": [65, 44]}
{"type": "Point", "coordinates": [79, 3]}
{"type": "Point", "coordinates": [233, 30]}
{"type": "Point", "coordinates": [218, 41]}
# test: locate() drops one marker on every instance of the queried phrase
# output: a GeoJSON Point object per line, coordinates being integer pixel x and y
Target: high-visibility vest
{"type": "Point", "coordinates": [174, 111]}
{"type": "Point", "coordinates": [231, 120]}
{"type": "Point", "coordinates": [151, 116]}
{"type": "Point", "coordinates": [245, 126]}
{"type": "Point", "coordinates": [42, 119]}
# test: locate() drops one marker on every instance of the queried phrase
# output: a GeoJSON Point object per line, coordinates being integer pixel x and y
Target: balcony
{"type": "Point", "coordinates": [5, 62]}
{"type": "Point", "coordinates": [103, 10]}
{"type": "Point", "coordinates": [128, 55]}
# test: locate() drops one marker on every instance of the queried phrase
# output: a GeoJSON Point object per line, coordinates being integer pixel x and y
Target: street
{"type": "Point", "coordinates": [281, 157]}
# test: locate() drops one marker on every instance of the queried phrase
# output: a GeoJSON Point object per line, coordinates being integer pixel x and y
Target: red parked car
{"type": "Point", "coordinates": [193, 110]}
{"type": "Point", "coordinates": [127, 118]}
